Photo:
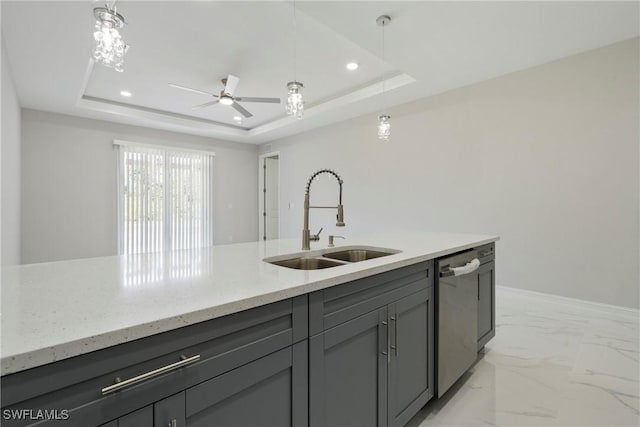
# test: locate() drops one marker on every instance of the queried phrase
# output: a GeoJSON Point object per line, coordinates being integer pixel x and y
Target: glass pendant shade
{"type": "Point", "coordinates": [384, 127]}
{"type": "Point", "coordinates": [109, 48]}
{"type": "Point", "coordinates": [295, 104]}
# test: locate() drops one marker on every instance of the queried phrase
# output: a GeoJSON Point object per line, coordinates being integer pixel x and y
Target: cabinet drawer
{"type": "Point", "coordinates": [223, 344]}
{"type": "Point", "coordinates": [333, 306]}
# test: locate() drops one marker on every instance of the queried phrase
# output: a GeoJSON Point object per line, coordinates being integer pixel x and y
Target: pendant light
{"type": "Point", "coordinates": [295, 103]}
{"type": "Point", "coordinates": [384, 127]}
{"type": "Point", "coordinates": [109, 48]}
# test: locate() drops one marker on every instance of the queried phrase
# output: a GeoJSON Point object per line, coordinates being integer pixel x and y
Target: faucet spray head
{"type": "Point", "coordinates": [340, 216]}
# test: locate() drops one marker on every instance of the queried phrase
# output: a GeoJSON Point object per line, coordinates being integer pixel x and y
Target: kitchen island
{"type": "Point", "coordinates": [92, 320]}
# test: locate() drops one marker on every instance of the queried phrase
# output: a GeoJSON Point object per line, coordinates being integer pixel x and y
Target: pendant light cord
{"type": "Point", "coordinates": [295, 43]}
{"type": "Point", "coordinates": [384, 78]}
{"type": "Point", "coordinates": [383, 58]}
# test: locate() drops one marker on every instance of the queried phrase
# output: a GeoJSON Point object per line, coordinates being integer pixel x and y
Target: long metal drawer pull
{"type": "Point", "coordinates": [151, 374]}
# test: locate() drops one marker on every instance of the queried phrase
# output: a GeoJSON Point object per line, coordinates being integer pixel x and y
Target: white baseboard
{"type": "Point", "coordinates": [558, 299]}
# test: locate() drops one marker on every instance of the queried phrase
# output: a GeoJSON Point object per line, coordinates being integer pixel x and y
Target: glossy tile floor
{"type": "Point", "coordinates": [552, 363]}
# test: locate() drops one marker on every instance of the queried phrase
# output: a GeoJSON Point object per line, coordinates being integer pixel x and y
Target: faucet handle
{"type": "Point", "coordinates": [340, 216]}
{"type": "Point", "coordinates": [316, 237]}
{"type": "Point", "coordinates": [331, 245]}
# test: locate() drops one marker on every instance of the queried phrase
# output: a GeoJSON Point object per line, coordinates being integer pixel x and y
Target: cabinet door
{"type": "Point", "coordinates": [486, 303]}
{"type": "Point", "coordinates": [170, 412]}
{"type": "Point", "coordinates": [271, 391]}
{"type": "Point", "coordinates": [348, 373]}
{"type": "Point", "coordinates": [411, 370]}
{"type": "Point", "coordinates": [140, 418]}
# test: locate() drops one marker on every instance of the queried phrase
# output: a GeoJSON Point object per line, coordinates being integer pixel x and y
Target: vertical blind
{"type": "Point", "coordinates": [165, 199]}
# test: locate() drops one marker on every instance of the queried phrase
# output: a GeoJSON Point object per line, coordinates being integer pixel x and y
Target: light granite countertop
{"type": "Point", "coordinates": [53, 311]}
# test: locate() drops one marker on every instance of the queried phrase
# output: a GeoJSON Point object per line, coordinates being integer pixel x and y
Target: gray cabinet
{"type": "Point", "coordinates": [356, 354]}
{"type": "Point", "coordinates": [348, 373]}
{"type": "Point", "coordinates": [411, 367]}
{"type": "Point", "coordinates": [140, 418]}
{"type": "Point", "coordinates": [168, 412]}
{"type": "Point", "coordinates": [375, 369]}
{"type": "Point", "coordinates": [269, 392]}
{"type": "Point", "coordinates": [223, 345]}
{"type": "Point", "coordinates": [486, 303]}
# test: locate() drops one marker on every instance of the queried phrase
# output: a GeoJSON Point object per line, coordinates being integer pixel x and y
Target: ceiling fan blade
{"type": "Point", "coordinates": [250, 99]}
{"type": "Point", "coordinates": [241, 110]}
{"type": "Point", "coordinates": [232, 83]}
{"type": "Point", "coordinates": [206, 104]}
{"type": "Point", "coordinates": [191, 90]}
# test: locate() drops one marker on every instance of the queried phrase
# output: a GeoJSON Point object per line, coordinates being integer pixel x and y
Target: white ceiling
{"type": "Point", "coordinates": [431, 47]}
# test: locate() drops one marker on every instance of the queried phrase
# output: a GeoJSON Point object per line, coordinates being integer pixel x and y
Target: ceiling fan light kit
{"type": "Point", "coordinates": [109, 48]}
{"type": "Point", "coordinates": [226, 96]}
{"type": "Point", "coordinates": [226, 100]}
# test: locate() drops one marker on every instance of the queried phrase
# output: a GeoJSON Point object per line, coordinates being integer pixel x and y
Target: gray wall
{"type": "Point", "coordinates": [547, 158]}
{"type": "Point", "coordinates": [10, 153]}
{"type": "Point", "coordinates": [69, 185]}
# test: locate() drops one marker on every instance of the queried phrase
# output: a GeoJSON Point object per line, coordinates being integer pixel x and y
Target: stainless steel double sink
{"type": "Point", "coordinates": [328, 258]}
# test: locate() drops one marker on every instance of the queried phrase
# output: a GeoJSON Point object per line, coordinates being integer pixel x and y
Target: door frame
{"type": "Point", "coordinates": [261, 158]}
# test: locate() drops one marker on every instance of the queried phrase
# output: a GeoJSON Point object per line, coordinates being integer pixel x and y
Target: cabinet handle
{"type": "Point", "coordinates": [173, 423]}
{"type": "Point", "coordinates": [395, 331]}
{"type": "Point", "coordinates": [151, 374]}
{"type": "Point", "coordinates": [388, 352]}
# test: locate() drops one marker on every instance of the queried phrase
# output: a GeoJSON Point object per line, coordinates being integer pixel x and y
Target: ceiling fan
{"type": "Point", "coordinates": [226, 96]}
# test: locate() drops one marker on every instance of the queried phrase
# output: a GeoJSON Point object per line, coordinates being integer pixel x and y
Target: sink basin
{"type": "Point", "coordinates": [307, 263]}
{"type": "Point", "coordinates": [355, 255]}
{"type": "Point", "coordinates": [327, 258]}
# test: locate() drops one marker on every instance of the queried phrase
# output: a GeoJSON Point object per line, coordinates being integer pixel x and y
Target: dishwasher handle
{"type": "Point", "coordinates": [468, 268]}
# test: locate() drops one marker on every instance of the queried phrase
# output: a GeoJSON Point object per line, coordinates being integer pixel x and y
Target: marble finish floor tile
{"type": "Point", "coordinates": [551, 363]}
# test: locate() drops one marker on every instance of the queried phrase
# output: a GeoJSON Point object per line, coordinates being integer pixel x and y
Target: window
{"type": "Point", "coordinates": [165, 199]}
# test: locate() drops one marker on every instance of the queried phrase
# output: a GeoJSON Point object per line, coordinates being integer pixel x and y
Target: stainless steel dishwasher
{"type": "Point", "coordinates": [456, 292]}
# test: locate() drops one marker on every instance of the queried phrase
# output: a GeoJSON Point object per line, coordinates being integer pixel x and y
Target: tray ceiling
{"type": "Point", "coordinates": [431, 47]}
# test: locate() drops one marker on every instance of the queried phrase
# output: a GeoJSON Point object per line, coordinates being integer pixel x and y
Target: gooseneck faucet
{"type": "Point", "coordinates": [307, 237]}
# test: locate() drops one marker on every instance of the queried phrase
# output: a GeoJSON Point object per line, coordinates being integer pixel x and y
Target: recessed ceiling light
{"type": "Point", "coordinates": [237, 118]}
{"type": "Point", "coordinates": [352, 66]}
{"type": "Point", "coordinates": [125, 93]}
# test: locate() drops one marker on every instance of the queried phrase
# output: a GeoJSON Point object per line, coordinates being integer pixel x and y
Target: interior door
{"type": "Point", "coordinates": [271, 199]}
